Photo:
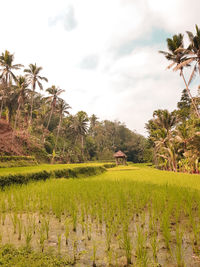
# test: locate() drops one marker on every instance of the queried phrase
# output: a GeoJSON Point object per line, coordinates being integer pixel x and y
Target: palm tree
{"type": "Point", "coordinates": [179, 57]}
{"type": "Point", "coordinates": [63, 109]}
{"type": "Point", "coordinates": [22, 90]}
{"type": "Point", "coordinates": [2, 95]}
{"type": "Point", "coordinates": [53, 98]}
{"type": "Point", "coordinates": [34, 79]}
{"type": "Point", "coordinates": [161, 133]}
{"type": "Point", "coordinates": [6, 64]}
{"type": "Point", "coordinates": [165, 119]}
{"type": "Point", "coordinates": [80, 127]}
{"type": "Point", "coordinates": [93, 122]}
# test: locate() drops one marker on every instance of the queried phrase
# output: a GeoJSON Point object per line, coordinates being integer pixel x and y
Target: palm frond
{"type": "Point", "coordinates": [193, 74]}
{"type": "Point", "coordinates": [190, 36]}
{"type": "Point", "coordinates": [183, 64]}
{"type": "Point", "coordinates": [171, 65]}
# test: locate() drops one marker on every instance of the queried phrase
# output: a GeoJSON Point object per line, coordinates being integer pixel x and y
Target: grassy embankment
{"type": "Point", "coordinates": [133, 215]}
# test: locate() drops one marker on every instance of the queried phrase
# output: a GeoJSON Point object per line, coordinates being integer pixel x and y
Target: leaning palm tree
{"type": "Point", "coordinates": [179, 57]}
{"type": "Point", "coordinates": [53, 98]}
{"type": "Point", "coordinates": [7, 66]}
{"type": "Point", "coordinates": [62, 109]}
{"type": "Point", "coordinates": [34, 79]}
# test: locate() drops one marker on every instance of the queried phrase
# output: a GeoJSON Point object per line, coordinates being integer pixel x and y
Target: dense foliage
{"type": "Point", "coordinates": [46, 121]}
{"type": "Point", "coordinates": [175, 136]}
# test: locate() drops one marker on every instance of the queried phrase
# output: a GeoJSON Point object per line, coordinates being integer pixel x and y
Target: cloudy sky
{"type": "Point", "coordinates": [104, 53]}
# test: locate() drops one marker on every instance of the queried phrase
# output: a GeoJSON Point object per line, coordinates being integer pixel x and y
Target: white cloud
{"type": "Point", "coordinates": [88, 33]}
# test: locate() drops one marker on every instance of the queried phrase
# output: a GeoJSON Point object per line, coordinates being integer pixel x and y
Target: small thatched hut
{"type": "Point", "coordinates": [120, 158]}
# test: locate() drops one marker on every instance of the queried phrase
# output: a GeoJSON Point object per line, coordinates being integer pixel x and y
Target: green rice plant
{"type": "Point", "coordinates": [42, 238]}
{"type": "Point", "coordinates": [141, 250]}
{"type": "Point", "coordinates": [108, 236]}
{"type": "Point", "coordinates": [74, 218]}
{"type": "Point", "coordinates": [109, 256]}
{"type": "Point", "coordinates": [82, 226]}
{"type": "Point", "coordinates": [19, 226]}
{"type": "Point", "coordinates": [126, 243]}
{"type": "Point", "coordinates": [179, 248]}
{"type": "Point", "coordinates": [89, 231]}
{"type": "Point", "coordinates": [88, 228]}
{"type": "Point", "coordinates": [94, 255]}
{"type": "Point", "coordinates": [28, 235]}
{"type": "Point", "coordinates": [59, 238]}
{"type": "Point", "coordinates": [166, 229]}
{"type": "Point", "coordinates": [154, 246]}
{"type": "Point", "coordinates": [34, 226]}
{"type": "Point", "coordinates": [67, 230]}
{"type": "Point", "coordinates": [3, 218]}
{"type": "Point", "coordinates": [1, 236]}
{"type": "Point", "coordinates": [46, 227]}
{"type": "Point", "coordinates": [196, 232]}
{"type": "Point", "coordinates": [14, 220]}
{"type": "Point", "coordinates": [74, 251]}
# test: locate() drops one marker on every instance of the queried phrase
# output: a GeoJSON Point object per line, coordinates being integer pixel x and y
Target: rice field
{"type": "Point", "coordinates": [128, 216]}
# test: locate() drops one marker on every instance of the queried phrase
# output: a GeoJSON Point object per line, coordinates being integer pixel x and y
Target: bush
{"type": "Point", "coordinates": [23, 178]}
{"type": "Point", "coordinates": [7, 180]}
{"type": "Point", "coordinates": [109, 165]}
{"type": "Point", "coordinates": [16, 158]}
{"type": "Point", "coordinates": [20, 257]}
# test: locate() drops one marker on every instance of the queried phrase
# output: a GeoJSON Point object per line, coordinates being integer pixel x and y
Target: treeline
{"type": "Point", "coordinates": [46, 120]}
{"type": "Point", "coordinates": [175, 136]}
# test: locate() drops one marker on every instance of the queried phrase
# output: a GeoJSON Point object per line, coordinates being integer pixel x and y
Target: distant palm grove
{"type": "Point", "coordinates": [175, 136]}
{"type": "Point", "coordinates": [46, 128]}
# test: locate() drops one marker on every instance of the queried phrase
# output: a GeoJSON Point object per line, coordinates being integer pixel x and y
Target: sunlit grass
{"type": "Point", "coordinates": [42, 167]}
{"type": "Point", "coordinates": [130, 215]}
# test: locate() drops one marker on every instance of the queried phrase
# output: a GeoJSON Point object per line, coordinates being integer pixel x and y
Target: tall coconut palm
{"type": "Point", "coordinates": [165, 119]}
{"type": "Point", "coordinates": [62, 109]}
{"type": "Point", "coordinates": [93, 122]}
{"type": "Point", "coordinates": [179, 57]}
{"type": "Point", "coordinates": [53, 98]}
{"type": "Point", "coordinates": [22, 90]}
{"type": "Point", "coordinates": [80, 127]}
{"type": "Point", "coordinates": [7, 66]}
{"type": "Point", "coordinates": [34, 79]}
{"type": "Point", "coordinates": [2, 95]}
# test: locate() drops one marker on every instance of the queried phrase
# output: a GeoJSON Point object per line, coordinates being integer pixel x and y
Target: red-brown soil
{"type": "Point", "coordinates": [9, 144]}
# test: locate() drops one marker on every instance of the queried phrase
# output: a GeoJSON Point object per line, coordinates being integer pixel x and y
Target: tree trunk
{"type": "Point", "coordinates": [188, 90]}
{"type": "Point", "coordinates": [1, 109]}
{"type": "Point", "coordinates": [59, 125]}
{"type": "Point", "coordinates": [82, 146]}
{"type": "Point", "coordinates": [31, 113]}
{"type": "Point", "coordinates": [50, 118]}
{"type": "Point", "coordinates": [15, 124]}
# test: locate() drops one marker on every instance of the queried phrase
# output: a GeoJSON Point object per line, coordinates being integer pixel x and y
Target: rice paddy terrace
{"type": "Point", "coordinates": [126, 216]}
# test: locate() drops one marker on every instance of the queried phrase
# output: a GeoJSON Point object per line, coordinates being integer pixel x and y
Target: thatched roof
{"type": "Point", "coordinates": [120, 154]}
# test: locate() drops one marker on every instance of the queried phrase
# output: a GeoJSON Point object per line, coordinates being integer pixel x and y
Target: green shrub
{"type": "Point", "coordinates": [16, 158]}
{"type": "Point", "coordinates": [20, 257]}
{"type": "Point", "coordinates": [23, 178]}
{"type": "Point", "coordinates": [109, 165]}
{"type": "Point", "coordinates": [7, 180]}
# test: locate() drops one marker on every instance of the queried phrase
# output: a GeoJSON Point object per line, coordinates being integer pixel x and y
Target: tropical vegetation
{"type": "Point", "coordinates": [175, 136]}
{"type": "Point", "coordinates": [49, 131]}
